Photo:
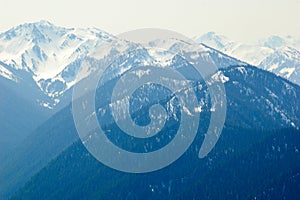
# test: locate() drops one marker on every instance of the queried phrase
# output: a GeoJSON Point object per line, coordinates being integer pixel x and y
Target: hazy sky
{"type": "Point", "coordinates": [243, 20]}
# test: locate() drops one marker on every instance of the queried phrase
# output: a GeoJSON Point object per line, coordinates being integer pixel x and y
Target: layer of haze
{"type": "Point", "coordinates": [243, 20]}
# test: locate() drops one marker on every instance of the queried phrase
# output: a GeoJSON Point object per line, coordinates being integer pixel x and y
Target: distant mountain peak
{"type": "Point", "coordinates": [277, 54]}
{"type": "Point", "coordinates": [214, 40]}
{"type": "Point", "coordinates": [38, 24]}
{"type": "Point", "coordinates": [274, 42]}
{"type": "Point", "coordinates": [285, 62]}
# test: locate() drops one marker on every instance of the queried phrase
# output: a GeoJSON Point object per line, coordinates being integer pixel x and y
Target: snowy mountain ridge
{"type": "Point", "coordinates": [51, 56]}
{"type": "Point", "coordinates": [285, 62]}
{"type": "Point", "coordinates": [44, 50]}
{"type": "Point", "coordinates": [276, 54]}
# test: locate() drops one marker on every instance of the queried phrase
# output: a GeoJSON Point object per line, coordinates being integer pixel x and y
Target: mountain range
{"type": "Point", "coordinates": [276, 54]}
{"type": "Point", "coordinates": [48, 57]}
{"type": "Point", "coordinates": [39, 64]}
{"type": "Point", "coordinates": [253, 113]}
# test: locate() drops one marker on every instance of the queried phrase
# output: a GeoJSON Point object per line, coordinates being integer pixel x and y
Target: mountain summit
{"type": "Point", "coordinates": [43, 51]}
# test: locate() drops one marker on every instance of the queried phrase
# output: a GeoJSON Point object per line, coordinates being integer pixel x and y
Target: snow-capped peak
{"type": "Point", "coordinates": [219, 42]}
{"type": "Point", "coordinates": [45, 50]}
{"type": "Point", "coordinates": [252, 54]}
{"type": "Point", "coordinates": [285, 61]}
{"type": "Point", "coordinates": [275, 42]}
{"type": "Point", "coordinates": [277, 54]}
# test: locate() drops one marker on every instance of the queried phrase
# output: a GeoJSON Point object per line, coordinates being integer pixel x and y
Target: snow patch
{"type": "Point", "coordinates": [6, 73]}
{"type": "Point", "coordinates": [287, 72]}
{"type": "Point", "coordinates": [219, 76]}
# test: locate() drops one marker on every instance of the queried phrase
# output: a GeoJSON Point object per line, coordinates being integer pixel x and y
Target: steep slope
{"type": "Point", "coordinates": [34, 152]}
{"type": "Point", "coordinates": [20, 113]}
{"type": "Point", "coordinates": [15, 123]}
{"type": "Point", "coordinates": [256, 99]}
{"type": "Point", "coordinates": [257, 95]}
{"type": "Point", "coordinates": [245, 164]}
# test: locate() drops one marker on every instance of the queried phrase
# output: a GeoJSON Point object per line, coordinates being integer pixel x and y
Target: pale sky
{"type": "Point", "coordinates": [241, 20]}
